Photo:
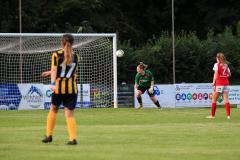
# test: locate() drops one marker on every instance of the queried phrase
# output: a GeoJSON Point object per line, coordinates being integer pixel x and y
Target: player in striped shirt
{"type": "Point", "coordinates": [220, 83]}
{"type": "Point", "coordinates": [64, 88]}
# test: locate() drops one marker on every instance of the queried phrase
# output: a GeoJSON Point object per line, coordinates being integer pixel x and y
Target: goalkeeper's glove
{"type": "Point", "coordinates": [150, 90]}
{"type": "Point", "coordinates": [53, 86]}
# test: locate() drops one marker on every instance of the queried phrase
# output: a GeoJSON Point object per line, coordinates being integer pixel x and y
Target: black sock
{"type": "Point", "coordinates": [157, 104]}
{"type": "Point", "coordinates": [139, 100]}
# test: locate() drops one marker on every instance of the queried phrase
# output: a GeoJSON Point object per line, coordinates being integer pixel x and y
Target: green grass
{"type": "Point", "coordinates": [123, 134]}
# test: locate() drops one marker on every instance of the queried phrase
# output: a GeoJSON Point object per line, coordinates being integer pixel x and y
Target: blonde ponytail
{"type": "Point", "coordinates": [67, 42]}
{"type": "Point", "coordinates": [67, 53]}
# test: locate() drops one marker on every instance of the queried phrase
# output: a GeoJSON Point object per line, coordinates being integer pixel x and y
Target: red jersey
{"type": "Point", "coordinates": [223, 74]}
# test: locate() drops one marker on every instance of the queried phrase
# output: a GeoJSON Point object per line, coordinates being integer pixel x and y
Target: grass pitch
{"type": "Point", "coordinates": [123, 134]}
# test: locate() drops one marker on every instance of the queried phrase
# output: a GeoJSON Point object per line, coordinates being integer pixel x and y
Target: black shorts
{"type": "Point", "coordinates": [143, 89]}
{"type": "Point", "coordinates": [68, 100]}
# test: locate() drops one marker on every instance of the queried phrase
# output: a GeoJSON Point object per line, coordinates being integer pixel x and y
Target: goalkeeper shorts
{"type": "Point", "coordinates": [143, 89]}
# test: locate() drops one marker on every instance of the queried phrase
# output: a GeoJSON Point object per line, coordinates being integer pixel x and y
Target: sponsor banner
{"type": "Point", "coordinates": [38, 96]}
{"type": "Point", "coordinates": [10, 96]}
{"type": "Point", "coordinates": [86, 95]}
{"type": "Point", "coordinates": [164, 93]}
{"type": "Point", "coordinates": [48, 94]}
{"type": "Point", "coordinates": [32, 96]}
{"type": "Point", "coordinates": [188, 95]}
{"type": "Point", "coordinates": [193, 95]}
{"type": "Point", "coordinates": [234, 94]}
{"type": "Point", "coordinates": [200, 95]}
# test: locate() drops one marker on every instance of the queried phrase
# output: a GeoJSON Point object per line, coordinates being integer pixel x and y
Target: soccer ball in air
{"type": "Point", "coordinates": [120, 53]}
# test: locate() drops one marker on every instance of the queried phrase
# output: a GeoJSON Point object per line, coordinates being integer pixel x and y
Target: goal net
{"type": "Point", "coordinates": [23, 57]}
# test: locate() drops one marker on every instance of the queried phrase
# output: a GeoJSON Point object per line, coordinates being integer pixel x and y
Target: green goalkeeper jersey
{"type": "Point", "coordinates": [144, 80]}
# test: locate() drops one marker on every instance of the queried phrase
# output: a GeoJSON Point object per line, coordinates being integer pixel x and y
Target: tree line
{"type": "Point", "coordinates": [135, 21]}
{"type": "Point", "coordinates": [202, 29]}
{"type": "Point", "coordinates": [194, 57]}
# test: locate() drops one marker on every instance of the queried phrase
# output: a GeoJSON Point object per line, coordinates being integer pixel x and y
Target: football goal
{"type": "Point", "coordinates": [24, 56]}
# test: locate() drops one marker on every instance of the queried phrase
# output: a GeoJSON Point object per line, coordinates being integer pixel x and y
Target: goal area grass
{"type": "Point", "coordinates": [123, 134]}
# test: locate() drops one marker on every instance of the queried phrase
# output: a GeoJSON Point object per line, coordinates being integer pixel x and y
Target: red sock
{"type": "Point", "coordinates": [227, 105]}
{"type": "Point", "coordinates": [213, 108]}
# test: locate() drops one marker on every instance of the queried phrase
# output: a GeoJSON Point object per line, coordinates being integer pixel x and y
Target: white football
{"type": "Point", "coordinates": [120, 53]}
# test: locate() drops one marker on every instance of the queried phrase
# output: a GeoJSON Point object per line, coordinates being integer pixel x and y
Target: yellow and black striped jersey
{"type": "Point", "coordinates": [66, 74]}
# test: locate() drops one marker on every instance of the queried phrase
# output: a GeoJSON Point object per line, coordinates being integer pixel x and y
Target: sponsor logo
{"type": "Point", "coordinates": [200, 96]}
{"type": "Point", "coordinates": [220, 98]}
{"type": "Point", "coordinates": [205, 96]}
{"type": "Point", "coordinates": [34, 97]}
{"type": "Point", "coordinates": [189, 96]}
{"type": "Point", "coordinates": [193, 96]}
{"type": "Point", "coordinates": [48, 93]}
{"type": "Point", "coordinates": [184, 96]}
{"type": "Point", "coordinates": [10, 96]}
{"type": "Point", "coordinates": [178, 96]}
{"type": "Point", "coordinates": [156, 91]}
{"type": "Point", "coordinates": [177, 88]}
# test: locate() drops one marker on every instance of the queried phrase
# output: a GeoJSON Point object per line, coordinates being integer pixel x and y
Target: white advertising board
{"type": "Point", "coordinates": [200, 95]}
{"type": "Point", "coordinates": [32, 96]}
{"type": "Point", "coordinates": [165, 95]}
{"type": "Point", "coordinates": [187, 95]}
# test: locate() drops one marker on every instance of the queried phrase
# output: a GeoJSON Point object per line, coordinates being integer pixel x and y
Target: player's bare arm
{"type": "Point", "coordinates": [46, 74]}
{"type": "Point", "coordinates": [214, 77]}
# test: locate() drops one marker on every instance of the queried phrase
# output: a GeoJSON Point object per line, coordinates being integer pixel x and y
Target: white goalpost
{"type": "Point", "coordinates": [24, 56]}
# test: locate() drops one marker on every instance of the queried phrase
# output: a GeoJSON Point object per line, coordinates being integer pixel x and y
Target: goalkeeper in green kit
{"type": "Point", "coordinates": [144, 80]}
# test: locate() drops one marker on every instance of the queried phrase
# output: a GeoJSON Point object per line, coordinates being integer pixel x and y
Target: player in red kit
{"type": "Point", "coordinates": [220, 83]}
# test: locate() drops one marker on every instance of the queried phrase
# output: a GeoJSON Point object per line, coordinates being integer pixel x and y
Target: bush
{"type": "Point", "coordinates": [194, 57]}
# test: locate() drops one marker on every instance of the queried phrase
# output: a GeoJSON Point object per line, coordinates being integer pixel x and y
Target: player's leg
{"type": "Point", "coordinates": [139, 98]}
{"type": "Point", "coordinates": [155, 100]}
{"type": "Point", "coordinates": [227, 104]}
{"type": "Point", "coordinates": [71, 124]}
{"type": "Point", "coordinates": [70, 103]}
{"type": "Point", "coordinates": [51, 120]}
{"type": "Point", "coordinates": [214, 104]}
